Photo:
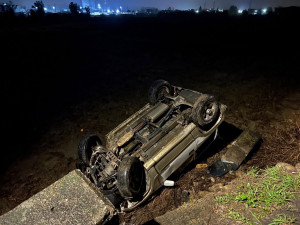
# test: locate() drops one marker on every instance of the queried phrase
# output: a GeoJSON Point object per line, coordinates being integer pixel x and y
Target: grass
{"type": "Point", "coordinates": [238, 216]}
{"type": "Point", "coordinates": [272, 188]}
{"type": "Point", "coordinates": [224, 199]}
{"type": "Point", "coordinates": [282, 219]}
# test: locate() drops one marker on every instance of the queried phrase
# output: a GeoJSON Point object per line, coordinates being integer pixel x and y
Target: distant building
{"type": "Point", "coordinates": [149, 10]}
{"type": "Point", "coordinates": [88, 3]}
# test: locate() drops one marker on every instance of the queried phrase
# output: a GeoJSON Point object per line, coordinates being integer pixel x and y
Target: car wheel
{"type": "Point", "coordinates": [85, 147]}
{"type": "Point", "coordinates": [131, 178]}
{"type": "Point", "coordinates": [206, 111]}
{"type": "Point", "coordinates": [158, 90]}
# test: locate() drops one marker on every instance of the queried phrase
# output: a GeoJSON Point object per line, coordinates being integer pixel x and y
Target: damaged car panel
{"type": "Point", "coordinates": [142, 152]}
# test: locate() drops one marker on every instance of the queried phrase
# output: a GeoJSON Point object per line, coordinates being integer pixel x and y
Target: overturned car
{"type": "Point", "coordinates": [140, 154]}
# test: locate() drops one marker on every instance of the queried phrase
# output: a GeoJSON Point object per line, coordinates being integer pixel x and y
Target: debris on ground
{"type": "Point", "coordinates": [236, 153]}
{"type": "Point", "coordinates": [200, 166]}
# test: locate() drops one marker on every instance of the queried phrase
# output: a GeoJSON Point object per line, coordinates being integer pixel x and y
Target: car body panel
{"type": "Point", "coordinates": [175, 141]}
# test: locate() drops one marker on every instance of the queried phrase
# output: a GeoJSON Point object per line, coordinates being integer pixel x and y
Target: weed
{"type": "Point", "coordinates": [277, 188]}
{"type": "Point", "coordinates": [283, 219]}
{"type": "Point", "coordinates": [238, 217]}
{"type": "Point", "coordinates": [224, 199]}
{"type": "Point", "coordinates": [272, 187]}
{"type": "Point", "coordinates": [254, 172]}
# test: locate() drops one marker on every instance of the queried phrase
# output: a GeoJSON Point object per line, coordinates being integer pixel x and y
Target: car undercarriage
{"type": "Point", "coordinates": [142, 152]}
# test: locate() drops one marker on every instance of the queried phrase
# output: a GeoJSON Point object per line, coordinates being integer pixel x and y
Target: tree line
{"type": "Point", "coordinates": [38, 9]}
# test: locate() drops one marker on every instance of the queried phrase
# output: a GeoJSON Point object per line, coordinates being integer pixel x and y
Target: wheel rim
{"type": "Point", "coordinates": [90, 149]}
{"type": "Point", "coordinates": [163, 91]}
{"type": "Point", "coordinates": [209, 111]}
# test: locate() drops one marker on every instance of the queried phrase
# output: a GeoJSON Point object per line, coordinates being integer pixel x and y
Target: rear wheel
{"type": "Point", "coordinates": [131, 178]}
{"type": "Point", "coordinates": [85, 147]}
{"type": "Point", "coordinates": [158, 90]}
{"type": "Point", "coordinates": [206, 111]}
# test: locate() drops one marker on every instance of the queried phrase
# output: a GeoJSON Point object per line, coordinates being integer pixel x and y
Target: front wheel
{"type": "Point", "coordinates": [85, 147]}
{"type": "Point", "coordinates": [131, 178]}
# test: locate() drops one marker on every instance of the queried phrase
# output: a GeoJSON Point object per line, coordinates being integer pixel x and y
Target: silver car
{"type": "Point", "coordinates": [140, 154]}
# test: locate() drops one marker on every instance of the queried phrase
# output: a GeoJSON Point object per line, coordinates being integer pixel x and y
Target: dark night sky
{"type": "Point", "coordinates": [163, 4]}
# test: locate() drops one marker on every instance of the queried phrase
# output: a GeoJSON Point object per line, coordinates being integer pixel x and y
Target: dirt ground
{"type": "Point", "coordinates": [67, 79]}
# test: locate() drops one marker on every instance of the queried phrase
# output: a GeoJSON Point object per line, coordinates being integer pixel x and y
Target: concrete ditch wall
{"type": "Point", "coordinates": [70, 200]}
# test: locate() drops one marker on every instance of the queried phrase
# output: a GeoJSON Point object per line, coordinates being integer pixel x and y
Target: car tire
{"type": "Point", "coordinates": [158, 90]}
{"type": "Point", "coordinates": [85, 147]}
{"type": "Point", "coordinates": [205, 111]}
{"type": "Point", "coordinates": [131, 178]}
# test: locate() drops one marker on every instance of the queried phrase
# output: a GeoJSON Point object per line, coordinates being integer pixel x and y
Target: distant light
{"type": "Point", "coordinates": [4, 4]}
{"type": "Point", "coordinates": [80, 7]}
{"type": "Point", "coordinates": [45, 9]}
{"type": "Point", "coordinates": [108, 10]}
{"type": "Point", "coordinates": [53, 7]}
{"type": "Point", "coordinates": [264, 11]}
{"type": "Point", "coordinates": [95, 13]}
{"type": "Point", "coordinates": [99, 6]}
{"type": "Point", "coordinates": [220, 10]}
{"type": "Point", "coordinates": [117, 11]}
{"type": "Point", "coordinates": [121, 7]}
{"type": "Point", "coordinates": [197, 11]}
{"type": "Point", "coordinates": [240, 11]}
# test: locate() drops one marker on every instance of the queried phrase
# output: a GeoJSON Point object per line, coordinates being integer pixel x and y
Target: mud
{"type": "Point", "coordinates": [88, 77]}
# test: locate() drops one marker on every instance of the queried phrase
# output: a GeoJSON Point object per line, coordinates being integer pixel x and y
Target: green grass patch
{"type": "Point", "coordinates": [224, 199]}
{"type": "Point", "coordinates": [236, 216]}
{"type": "Point", "coordinates": [283, 219]}
{"type": "Point", "coordinates": [272, 187]}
